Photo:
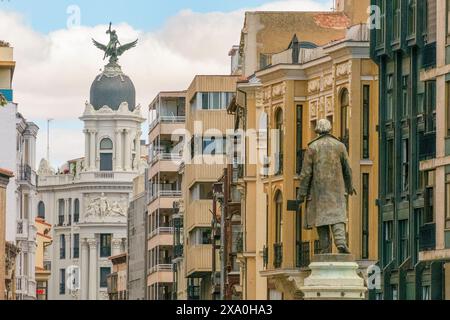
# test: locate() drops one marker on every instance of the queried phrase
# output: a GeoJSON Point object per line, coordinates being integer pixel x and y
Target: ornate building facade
{"type": "Point", "coordinates": [87, 200]}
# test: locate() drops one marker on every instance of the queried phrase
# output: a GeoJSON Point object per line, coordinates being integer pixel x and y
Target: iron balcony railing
{"type": "Point", "coordinates": [303, 254]}
{"type": "Point", "coordinates": [277, 255]}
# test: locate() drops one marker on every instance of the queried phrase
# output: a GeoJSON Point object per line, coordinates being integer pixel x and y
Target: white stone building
{"type": "Point", "coordinates": [87, 200]}
{"type": "Point", "coordinates": [18, 154]}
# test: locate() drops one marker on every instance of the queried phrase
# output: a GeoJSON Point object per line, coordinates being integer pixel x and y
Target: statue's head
{"type": "Point", "coordinates": [323, 126]}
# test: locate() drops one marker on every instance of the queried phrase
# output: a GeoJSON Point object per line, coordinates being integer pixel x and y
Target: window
{"type": "Point", "coordinates": [430, 93]}
{"type": "Point", "coordinates": [105, 245]}
{"type": "Point", "coordinates": [418, 223]}
{"type": "Point", "coordinates": [388, 244]}
{"type": "Point", "coordinates": [365, 215]}
{"type": "Point", "coordinates": [366, 122]}
{"type": "Point", "coordinates": [41, 210]}
{"type": "Point", "coordinates": [426, 293]}
{"type": "Point", "coordinates": [394, 291]}
{"type": "Point", "coordinates": [448, 21]}
{"type": "Point", "coordinates": [345, 118]}
{"type": "Point", "coordinates": [212, 100]}
{"type": "Point", "coordinates": [380, 31]}
{"type": "Point", "coordinates": [279, 142]}
{"type": "Point", "coordinates": [405, 92]}
{"type": "Point", "coordinates": [412, 5]}
{"type": "Point", "coordinates": [76, 246]}
{"type": "Point", "coordinates": [201, 191]}
{"type": "Point", "coordinates": [390, 97]}
{"type": "Point", "coordinates": [278, 217]}
{"type": "Point", "coordinates": [299, 139]}
{"type": "Point", "coordinates": [390, 166]}
{"type": "Point", "coordinates": [62, 246]}
{"type": "Point", "coordinates": [76, 211]}
{"type": "Point", "coordinates": [405, 165]}
{"type": "Point", "coordinates": [106, 156]}
{"type": "Point", "coordinates": [62, 281]}
{"type": "Point", "coordinates": [447, 201]}
{"type": "Point", "coordinates": [213, 145]}
{"type": "Point", "coordinates": [403, 229]}
{"type": "Point", "coordinates": [264, 60]}
{"type": "Point", "coordinates": [104, 272]}
{"type": "Point", "coordinates": [396, 6]}
{"type": "Point", "coordinates": [447, 109]}
{"type": "Point", "coordinates": [429, 197]}
{"type": "Point", "coordinates": [61, 209]}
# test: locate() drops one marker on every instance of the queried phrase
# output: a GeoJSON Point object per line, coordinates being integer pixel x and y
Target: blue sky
{"type": "Point", "coordinates": [49, 15]}
{"type": "Point", "coordinates": [46, 49]}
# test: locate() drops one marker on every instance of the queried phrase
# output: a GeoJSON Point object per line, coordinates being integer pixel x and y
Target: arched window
{"type": "Point", "coordinates": [106, 155]}
{"type": "Point", "coordinates": [279, 142]}
{"type": "Point", "coordinates": [345, 114]}
{"type": "Point", "coordinates": [278, 216]}
{"type": "Point", "coordinates": [278, 245]}
{"type": "Point", "coordinates": [41, 210]}
{"type": "Point", "coordinates": [76, 211]}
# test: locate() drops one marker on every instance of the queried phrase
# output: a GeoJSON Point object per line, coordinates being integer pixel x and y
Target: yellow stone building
{"type": "Point", "coordinates": [336, 81]}
{"type": "Point", "coordinates": [276, 77]}
{"type": "Point", "coordinates": [42, 273]}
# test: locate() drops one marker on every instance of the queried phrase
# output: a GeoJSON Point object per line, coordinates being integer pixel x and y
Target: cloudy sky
{"type": "Point", "coordinates": [56, 62]}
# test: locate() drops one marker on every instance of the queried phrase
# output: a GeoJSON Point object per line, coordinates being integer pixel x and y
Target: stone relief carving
{"type": "Point", "coordinates": [313, 85]}
{"type": "Point", "coordinates": [343, 69]}
{"type": "Point", "coordinates": [279, 89]}
{"type": "Point", "coordinates": [329, 105]}
{"type": "Point", "coordinates": [103, 208]}
{"type": "Point", "coordinates": [327, 82]}
{"type": "Point", "coordinates": [313, 109]}
{"type": "Point", "coordinates": [267, 93]}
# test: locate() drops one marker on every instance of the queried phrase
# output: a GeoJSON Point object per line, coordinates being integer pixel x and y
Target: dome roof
{"type": "Point", "coordinates": [111, 88]}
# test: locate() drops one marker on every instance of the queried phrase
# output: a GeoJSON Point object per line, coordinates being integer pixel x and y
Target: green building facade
{"type": "Point", "coordinates": [403, 46]}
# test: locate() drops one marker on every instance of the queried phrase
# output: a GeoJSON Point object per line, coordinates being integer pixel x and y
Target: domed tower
{"type": "Point", "coordinates": [112, 121]}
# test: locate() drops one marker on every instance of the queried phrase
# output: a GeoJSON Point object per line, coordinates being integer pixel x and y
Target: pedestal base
{"type": "Point", "coordinates": [334, 277]}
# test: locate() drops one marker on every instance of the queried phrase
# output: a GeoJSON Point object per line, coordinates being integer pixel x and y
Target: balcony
{"type": "Point", "coordinates": [160, 273]}
{"type": "Point", "coordinates": [198, 214]}
{"type": "Point", "coordinates": [26, 175]}
{"type": "Point", "coordinates": [198, 260]}
{"type": "Point", "coordinates": [22, 229]}
{"type": "Point", "coordinates": [164, 162]}
{"type": "Point", "coordinates": [277, 255]}
{"type": "Point", "coordinates": [427, 237]}
{"type": "Point", "coordinates": [176, 193]}
{"type": "Point", "coordinates": [60, 221]}
{"type": "Point", "coordinates": [161, 230]}
{"type": "Point", "coordinates": [167, 119]}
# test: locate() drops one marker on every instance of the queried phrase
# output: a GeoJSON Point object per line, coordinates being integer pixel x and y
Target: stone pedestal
{"type": "Point", "coordinates": [334, 277]}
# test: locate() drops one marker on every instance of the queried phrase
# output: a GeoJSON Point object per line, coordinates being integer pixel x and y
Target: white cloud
{"type": "Point", "coordinates": [54, 71]}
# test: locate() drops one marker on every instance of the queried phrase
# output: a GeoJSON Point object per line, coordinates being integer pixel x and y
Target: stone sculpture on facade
{"type": "Point", "coordinates": [102, 207]}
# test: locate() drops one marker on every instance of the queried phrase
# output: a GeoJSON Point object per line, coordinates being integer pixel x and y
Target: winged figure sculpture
{"type": "Point", "coordinates": [114, 49]}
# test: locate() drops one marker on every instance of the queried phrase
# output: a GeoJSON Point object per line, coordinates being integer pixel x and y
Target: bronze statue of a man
{"type": "Point", "coordinates": [325, 182]}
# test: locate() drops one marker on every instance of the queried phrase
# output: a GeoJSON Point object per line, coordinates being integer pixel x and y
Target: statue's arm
{"type": "Point", "coordinates": [306, 174]}
{"type": "Point", "coordinates": [347, 172]}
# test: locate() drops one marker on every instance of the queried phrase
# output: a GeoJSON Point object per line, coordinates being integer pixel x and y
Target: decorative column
{"type": "Point", "coordinates": [119, 165]}
{"type": "Point", "coordinates": [116, 246]}
{"type": "Point", "coordinates": [127, 154]}
{"type": "Point", "coordinates": [86, 149]}
{"type": "Point", "coordinates": [92, 155]}
{"type": "Point", "coordinates": [138, 148]}
{"type": "Point", "coordinates": [84, 270]}
{"type": "Point", "coordinates": [92, 269]}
